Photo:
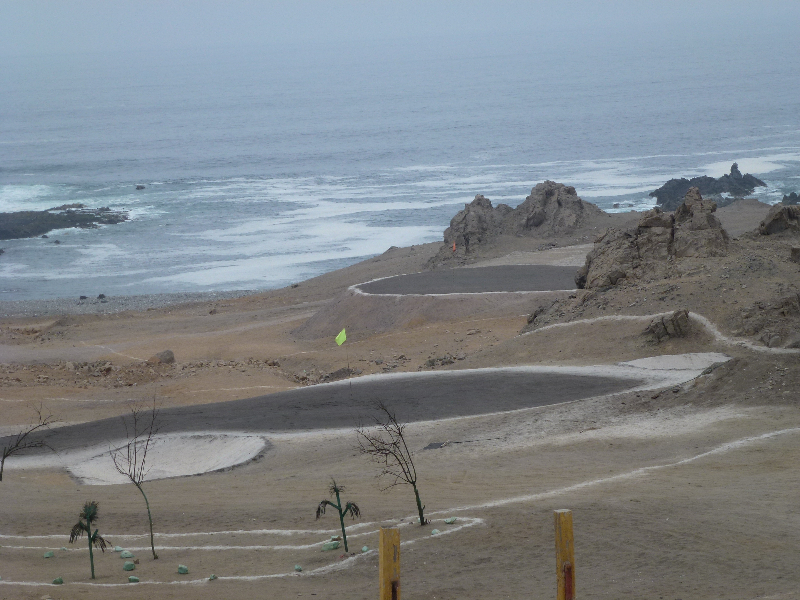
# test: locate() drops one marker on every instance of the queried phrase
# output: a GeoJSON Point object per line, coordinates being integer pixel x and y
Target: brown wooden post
{"type": "Point", "coordinates": [389, 564]}
{"type": "Point", "coordinates": [565, 555]}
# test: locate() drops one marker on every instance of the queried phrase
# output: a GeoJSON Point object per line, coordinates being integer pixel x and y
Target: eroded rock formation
{"type": "Point", "coordinates": [669, 326]}
{"type": "Point", "coordinates": [781, 218]}
{"type": "Point", "coordinates": [551, 209]}
{"type": "Point", "coordinates": [647, 250]}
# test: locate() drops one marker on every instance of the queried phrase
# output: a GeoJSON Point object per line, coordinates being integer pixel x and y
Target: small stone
{"type": "Point", "coordinates": [49, 554]}
{"type": "Point", "coordinates": [126, 554]}
{"type": "Point", "coordinates": [212, 578]}
{"type": "Point", "coordinates": [435, 532]}
{"type": "Point", "coordinates": [58, 581]}
{"type": "Point", "coordinates": [183, 570]}
{"type": "Point", "coordinates": [133, 579]}
{"type": "Point", "coordinates": [63, 548]}
{"type": "Point", "coordinates": [365, 548]}
{"type": "Point", "coordinates": [128, 566]}
{"type": "Point", "coordinates": [298, 568]}
{"type": "Point", "coordinates": [450, 520]}
{"type": "Point", "coordinates": [117, 548]}
{"type": "Point", "coordinates": [330, 546]}
{"type": "Point", "coordinates": [167, 357]}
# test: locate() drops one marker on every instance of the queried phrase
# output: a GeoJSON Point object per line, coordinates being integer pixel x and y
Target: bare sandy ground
{"type": "Point", "coordinates": [686, 491]}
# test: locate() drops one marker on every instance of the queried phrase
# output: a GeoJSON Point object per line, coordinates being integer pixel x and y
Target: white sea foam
{"type": "Point", "coordinates": [27, 197]}
{"type": "Point", "coordinates": [758, 165]}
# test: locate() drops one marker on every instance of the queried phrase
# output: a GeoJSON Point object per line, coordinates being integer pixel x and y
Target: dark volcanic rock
{"type": "Point", "coordinates": [781, 218]}
{"type": "Point", "coordinates": [671, 194]}
{"type": "Point", "coordinates": [647, 251]}
{"type": "Point", "coordinates": [791, 199]}
{"type": "Point", "coordinates": [25, 224]}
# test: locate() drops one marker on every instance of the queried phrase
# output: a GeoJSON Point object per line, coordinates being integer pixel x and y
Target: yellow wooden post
{"type": "Point", "coordinates": [389, 563]}
{"type": "Point", "coordinates": [565, 555]}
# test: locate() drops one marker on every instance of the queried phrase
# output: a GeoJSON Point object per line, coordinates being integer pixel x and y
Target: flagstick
{"type": "Point", "coordinates": [349, 378]}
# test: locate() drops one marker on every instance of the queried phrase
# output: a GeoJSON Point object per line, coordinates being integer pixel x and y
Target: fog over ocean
{"type": "Point", "coordinates": [265, 168]}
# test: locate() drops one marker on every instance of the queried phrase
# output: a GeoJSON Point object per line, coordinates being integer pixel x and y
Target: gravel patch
{"type": "Point", "coordinates": [109, 304]}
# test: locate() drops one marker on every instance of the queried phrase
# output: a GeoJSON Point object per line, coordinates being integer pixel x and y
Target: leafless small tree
{"type": "Point", "coordinates": [130, 460]}
{"type": "Point", "coordinates": [20, 441]}
{"type": "Point", "coordinates": [385, 443]}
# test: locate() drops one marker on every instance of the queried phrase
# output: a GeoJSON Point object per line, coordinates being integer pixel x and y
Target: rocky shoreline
{"type": "Point", "coordinates": [32, 223]}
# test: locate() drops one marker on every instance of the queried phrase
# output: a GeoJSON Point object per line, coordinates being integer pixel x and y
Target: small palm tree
{"type": "Point", "coordinates": [350, 507]}
{"type": "Point", "coordinates": [87, 518]}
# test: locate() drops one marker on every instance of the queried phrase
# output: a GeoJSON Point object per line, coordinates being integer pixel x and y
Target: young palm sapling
{"type": "Point", "coordinates": [87, 519]}
{"type": "Point", "coordinates": [351, 507]}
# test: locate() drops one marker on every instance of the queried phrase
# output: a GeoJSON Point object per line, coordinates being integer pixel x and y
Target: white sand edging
{"type": "Point", "coordinates": [698, 318]}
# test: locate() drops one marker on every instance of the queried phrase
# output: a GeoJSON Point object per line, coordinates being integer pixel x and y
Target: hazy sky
{"type": "Point", "coordinates": [42, 27]}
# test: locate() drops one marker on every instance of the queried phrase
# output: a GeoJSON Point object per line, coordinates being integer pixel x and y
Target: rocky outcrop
{"type": "Point", "coordinates": [647, 250]}
{"type": "Point", "coordinates": [781, 218]}
{"type": "Point", "coordinates": [27, 223]}
{"type": "Point", "coordinates": [670, 195]}
{"type": "Point", "coordinates": [551, 209]}
{"type": "Point", "coordinates": [697, 230]}
{"type": "Point", "coordinates": [791, 199]}
{"type": "Point", "coordinates": [669, 326]}
{"type": "Point", "coordinates": [476, 225]}
{"type": "Point", "coordinates": [775, 322]}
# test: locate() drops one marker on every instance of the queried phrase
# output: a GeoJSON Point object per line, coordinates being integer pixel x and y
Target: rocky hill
{"type": "Point", "coordinates": [648, 250]}
{"type": "Point", "coordinates": [552, 213]}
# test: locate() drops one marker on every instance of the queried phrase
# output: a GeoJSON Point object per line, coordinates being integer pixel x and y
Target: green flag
{"type": "Point", "coordinates": [341, 338]}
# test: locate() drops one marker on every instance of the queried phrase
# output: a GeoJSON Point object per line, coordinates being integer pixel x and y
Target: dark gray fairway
{"type": "Point", "coordinates": [508, 278]}
{"type": "Point", "coordinates": [418, 398]}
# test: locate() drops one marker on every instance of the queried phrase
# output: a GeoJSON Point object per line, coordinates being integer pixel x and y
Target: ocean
{"type": "Point", "coordinates": [268, 167]}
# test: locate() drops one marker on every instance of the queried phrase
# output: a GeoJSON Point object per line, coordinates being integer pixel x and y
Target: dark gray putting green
{"type": "Point", "coordinates": [508, 278]}
{"type": "Point", "coordinates": [421, 397]}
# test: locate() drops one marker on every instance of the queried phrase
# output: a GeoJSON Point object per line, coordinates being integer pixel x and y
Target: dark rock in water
{"type": "Point", "coordinates": [44, 237]}
{"type": "Point", "coordinates": [83, 298]}
{"type": "Point", "coordinates": [791, 199]}
{"type": "Point", "coordinates": [56, 241]}
{"type": "Point", "coordinates": [671, 194]}
{"type": "Point", "coordinates": [101, 296]}
{"type": "Point", "coordinates": [781, 218]}
{"type": "Point", "coordinates": [1, 251]}
{"type": "Point", "coordinates": [647, 251]}
{"type": "Point", "coordinates": [166, 357]}
{"type": "Point", "coordinates": [24, 224]}
{"type": "Point", "coordinates": [140, 187]}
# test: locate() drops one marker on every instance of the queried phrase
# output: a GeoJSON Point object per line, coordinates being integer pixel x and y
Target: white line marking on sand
{"type": "Point", "coordinates": [623, 476]}
{"type": "Point", "coordinates": [703, 321]}
{"type": "Point", "coordinates": [468, 521]}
